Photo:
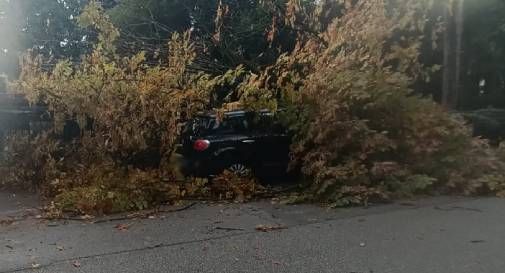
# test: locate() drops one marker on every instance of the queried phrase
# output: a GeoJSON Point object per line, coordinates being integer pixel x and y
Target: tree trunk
{"type": "Point", "coordinates": [447, 75]}
{"type": "Point", "coordinates": [453, 47]}
{"type": "Point", "coordinates": [459, 20]}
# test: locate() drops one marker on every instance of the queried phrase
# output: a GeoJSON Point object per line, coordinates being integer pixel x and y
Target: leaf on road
{"type": "Point", "coordinates": [6, 222]}
{"type": "Point", "coordinates": [267, 228]}
{"type": "Point", "coordinates": [122, 227]}
{"type": "Point", "coordinates": [87, 217]}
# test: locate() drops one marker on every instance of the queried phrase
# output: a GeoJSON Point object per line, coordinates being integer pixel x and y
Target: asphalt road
{"type": "Point", "coordinates": [431, 235]}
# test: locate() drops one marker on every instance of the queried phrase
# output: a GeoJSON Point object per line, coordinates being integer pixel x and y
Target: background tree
{"type": "Point", "coordinates": [46, 27]}
{"type": "Point", "coordinates": [3, 83]}
{"type": "Point", "coordinates": [452, 44]}
{"type": "Point", "coordinates": [228, 32]}
{"type": "Point", "coordinates": [483, 54]}
{"type": "Point", "coordinates": [148, 24]}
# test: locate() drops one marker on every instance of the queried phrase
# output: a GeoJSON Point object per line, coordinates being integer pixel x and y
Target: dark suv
{"type": "Point", "coordinates": [240, 142]}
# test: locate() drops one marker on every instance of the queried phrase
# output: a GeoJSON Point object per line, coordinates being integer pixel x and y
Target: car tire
{"type": "Point", "coordinates": [239, 169]}
{"type": "Point", "coordinates": [234, 164]}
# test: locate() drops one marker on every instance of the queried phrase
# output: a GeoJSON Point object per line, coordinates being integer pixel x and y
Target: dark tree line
{"type": "Point", "coordinates": [470, 54]}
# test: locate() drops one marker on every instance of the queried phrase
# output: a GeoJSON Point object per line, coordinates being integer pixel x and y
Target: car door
{"type": "Point", "coordinates": [234, 138]}
{"type": "Point", "coordinates": [271, 143]}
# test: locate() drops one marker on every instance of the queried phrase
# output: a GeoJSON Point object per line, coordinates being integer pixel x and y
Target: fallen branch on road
{"type": "Point", "coordinates": [138, 215]}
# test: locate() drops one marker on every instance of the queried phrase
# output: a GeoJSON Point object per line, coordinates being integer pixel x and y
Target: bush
{"type": "Point", "coordinates": [360, 132]}
{"type": "Point", "coordinates": [26, 161]}
{"type": "Point", "coordinates": [128, 114]}
{"type": "Point", "coordinates": [105, 188]}
{"type": "Point", "coordinates": [228, 186]}
{"type": "Point", "coordinates": [125, 110]}
{"type": "Point", "coordinates": [77, 178]}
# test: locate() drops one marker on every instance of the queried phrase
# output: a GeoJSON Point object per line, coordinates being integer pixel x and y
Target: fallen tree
{"type": "Point", "coordinates": [360, 131]}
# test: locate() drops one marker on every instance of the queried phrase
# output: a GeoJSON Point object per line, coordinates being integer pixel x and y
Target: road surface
{"type": "Point", "coordinates": [444, 234]}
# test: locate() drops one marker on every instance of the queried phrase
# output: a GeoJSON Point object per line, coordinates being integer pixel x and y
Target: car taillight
{"type": "Point", "coordinates": [201, 145]}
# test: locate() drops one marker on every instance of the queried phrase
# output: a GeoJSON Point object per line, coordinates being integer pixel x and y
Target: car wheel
{"type": "Point", "coordinates": [239, 169]}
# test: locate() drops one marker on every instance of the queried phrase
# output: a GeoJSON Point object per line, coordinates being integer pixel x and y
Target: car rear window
{"type": "Point", "coordinates": [266, 123]}
{"type": "Point", "coordinates": [208, 125]}
{"type": "Point", "coordinates": [197, 126]}
{"type": "Point", "coordinates": [228, 125]}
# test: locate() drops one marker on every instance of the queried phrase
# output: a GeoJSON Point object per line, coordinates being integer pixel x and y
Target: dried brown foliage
{"type": "Point", "coordinates": [361, 133]}
{"type": "Point", "coordinates": [229, 186]}
{"type": "Point", "coordinates": [128, 113]}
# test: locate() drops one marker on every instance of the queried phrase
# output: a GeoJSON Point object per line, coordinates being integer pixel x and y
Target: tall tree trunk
{"type": "Point", "coordinates": [459, 20]}
{"type": "Point", "coordinates": [447, 75]}
{"type": "Point", "coordinates": [453, 45]}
